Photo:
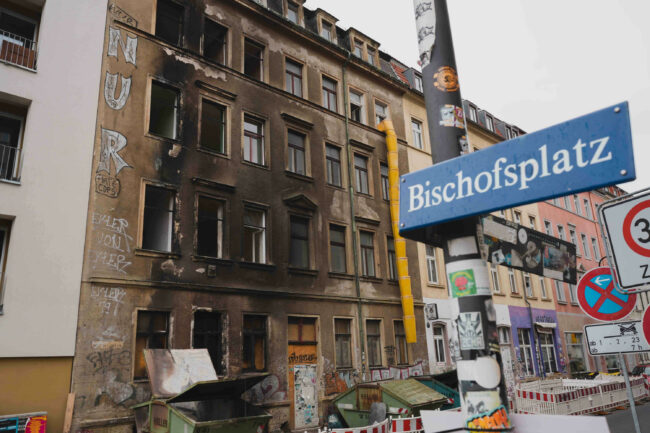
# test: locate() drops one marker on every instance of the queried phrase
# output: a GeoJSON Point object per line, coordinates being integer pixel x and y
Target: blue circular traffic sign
{"type": "Point", "coordinates": [599, 299]}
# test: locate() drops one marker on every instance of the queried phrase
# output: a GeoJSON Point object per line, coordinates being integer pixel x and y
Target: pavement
{"type": "Point", "coordinates": [621, 421]}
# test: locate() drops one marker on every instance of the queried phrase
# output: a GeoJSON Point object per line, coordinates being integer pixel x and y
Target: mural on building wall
{"type": "Point", "coordinates": [268, 390]}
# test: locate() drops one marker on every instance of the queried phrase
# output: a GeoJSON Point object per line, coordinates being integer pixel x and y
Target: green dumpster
{"type": "Point", "coordinates": [205, 407]}
{"type": "Point", "coordinates": [453, 398]}
{"type": "Point", "coordinates": [401, 397]}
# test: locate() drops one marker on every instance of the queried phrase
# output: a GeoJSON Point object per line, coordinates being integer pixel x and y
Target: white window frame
{"type": "Point", "coordinates": [494, 272]}
{"type": "Point", "coordinates": [440, 355]}
{"type": "Point", "coordinates": [594, 246]}
{"type": "Point", "coordinates": [527, 350]}
{"type": "Point", "coordinates": [513, 282]}
{"type": "Point", "coordinates": [559, 291]}
{"type": "Point", "coordinates": [585, 246]}
{"type": "Point", "coordinates": [418, 139]}
{"type": "Point", "coordinates": [432, 264]}
{"type": "Point", "coordinates": [528, 285]}
{"type": "Point", "coordinates": [542, 285]}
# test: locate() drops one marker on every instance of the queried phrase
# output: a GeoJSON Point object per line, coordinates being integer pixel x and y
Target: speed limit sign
{"type": "Point", "coordinates": [627, 223]}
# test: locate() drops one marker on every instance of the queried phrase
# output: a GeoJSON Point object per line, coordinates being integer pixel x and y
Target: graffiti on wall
{"type": "Point", "coordinates": [384, 373]}
{"type": "Point", "coordinates": [112, 243]}
{"type": "Point", "coordinates": [305, 394]}
{"type": "Point", "coordinates": [129, 47]}
{"type": "Point", "coordinates": [268, 390]}
{"type": "Point", "coordinates": [121, 15]}
{"type": "Point", "coordinates": [339, 381]}
{"type": "Point", "coordinates": [110, 87]}
{"type": "Point", "coordinates": [108, 298]}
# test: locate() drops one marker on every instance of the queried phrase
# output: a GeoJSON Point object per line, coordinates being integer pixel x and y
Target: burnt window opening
{"type": "Point", "coordinates": [169, 21]}
{"type": "Point", "coordinates": [152, 333]}
{"type": "Point", "coordinates": [164, 110]}
{"type": "Point", "coordinates": [11, 127]}
{"type": "Point", "coordinates": [293, 77]}
{"type": "Point", "coordinates": [158, 222]}
{"type": "Point", "coordinates": [401, 349]}
{"type": "Point", "coordinates": [367, 243]}
{"type": "Point", "coordinates": [253, 140]}
{"type": "Point", "coordinates": [296, 144]}
{"type": "Point", "coordinates": [210, 227]}
{"type": "Point", "coordinates": [361, 174]}
{"type": "Point", "coordinates": [333, 162]}
{"type": "Point", "coordinates": [215, 42]}
{"type": "Point", "coordinates": [385, 186]}
{"type": "Point", "coordinates": [337, 249]}
{"type": "Point", "coordinates": [254, 343]}
{"type": "Point", "coordinates": [213, 127]}
{"type": "Point", "coordinates": [208, 334]}
{"type": "Point", "coordinates": [253, 59]}
{"type": "Point", "coordinates": [392, 258]}
{"type": "Point", "coordinates": [299, 244]}
{"type": "Point", "coordinates": [373, 335]}
{"type": "Point", "coordinates": [357, 111]}
{"type": "Point", "coordinates": [343, 342]}
{"type": "Point", "coordinates": [254, 237]}
{"type": "Point", "coordinates": [329, 94]}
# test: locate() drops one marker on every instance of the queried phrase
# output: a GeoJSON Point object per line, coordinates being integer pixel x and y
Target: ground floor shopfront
{"type": "Point", "coordinates": [311, 347]}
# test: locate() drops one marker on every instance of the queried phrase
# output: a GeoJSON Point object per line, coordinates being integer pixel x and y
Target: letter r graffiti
{"type": "Point", "coordinates": [112, 143]}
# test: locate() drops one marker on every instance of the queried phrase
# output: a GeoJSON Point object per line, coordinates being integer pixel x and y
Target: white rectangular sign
{"type": "Point", "coordinates": [628, 233]}
{"type": "Point", "coordinates": [617, 337]}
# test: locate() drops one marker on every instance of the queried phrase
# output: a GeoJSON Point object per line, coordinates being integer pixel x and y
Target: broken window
{"type": "Point", "coordinates": [163, 113]}
{"type": "Point", "coordinates": [215, 41]}
{"type": "Point", "coordinates": [207, 334]}
{"type": "Point", "coordinates": [401, 349]}
{"type": "Point", "coordinates": [157, 226]}
{"type": "Point", "coordinates": [5, 227]}
{"type": "Point", "coordinates": [381, 112]}
{"type": "Point", "coordinates": [337, 249]}
{"type": "Point", "coordinates": [296, 152]}
{"type": "Point", "coordinates": [253, 140]}
{"type": "Point", "coordinates": [392, 258]}
{"type": "Point", "coordinates": [373, 335]}
{"type": "Point", "coordinates": [209, 234]}
{"type": "Point", "coordinates": [385, 186]}
{"type": "Point", "coordinates": [253, 59]}
{"type": "Point", "coordinates": [329, 94]}
{"type": "Point", "coordinates": [293, 77]}
{"type": "Point", "coordinates": [254, 242]}
{"type": "Point", "coordinates": [367, 253]}
{"type": "Point", "coordinates": [152, 333]}
{"type": "Point", "coordinates": [343, 342]}
{"type": "Point", "coordinates": [11, 127]}
{"type": "Point", "coordinates": [213, 127]}
{"type": "Point", "coordinates": [169, 21]}
{"type": "Point", "coordinates": [333, 158]}
{"type": "Point", "coordinates": [254, 336]}
{"type": "Point", "coordinates": [357, 111]}
{"type": "Point", "coordinates": [361, 173]}
{"type": "Point", "coordinates": [299, 248]}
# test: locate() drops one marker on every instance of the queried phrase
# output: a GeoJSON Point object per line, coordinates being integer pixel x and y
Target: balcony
{"type": "Point", "coordinates": [10, 163]}
{"type": "Point", "coordinates": [17, 50]}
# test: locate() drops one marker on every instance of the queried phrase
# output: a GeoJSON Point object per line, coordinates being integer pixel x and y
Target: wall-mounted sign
{"type": "Point", "coordinates": [618, 337]}
{"type": "Point", "coordinates": [578, 155]}
{"type": "Point", "coordinates": [513, 245]}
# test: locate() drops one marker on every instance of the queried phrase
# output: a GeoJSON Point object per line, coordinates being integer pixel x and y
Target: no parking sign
{"type": "Point", "coordinates": [627, 224]}
{"type": "Point", "coordinates": [598, 297]}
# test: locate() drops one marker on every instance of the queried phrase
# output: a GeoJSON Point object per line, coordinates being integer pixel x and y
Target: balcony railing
{"type": "Point", "coordinates": [10, 163]}
{"type": "Point", "coordinates": [17, 50]}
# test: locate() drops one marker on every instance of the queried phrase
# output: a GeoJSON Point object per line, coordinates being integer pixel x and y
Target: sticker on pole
{"type": "Point", "coordinates": [627, 222]}
{"type": "Point", "coordinates": [599, 299]}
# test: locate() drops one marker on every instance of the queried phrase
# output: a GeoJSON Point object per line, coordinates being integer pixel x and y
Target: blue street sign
{"type": "Point", "coordinates": [578, 155]}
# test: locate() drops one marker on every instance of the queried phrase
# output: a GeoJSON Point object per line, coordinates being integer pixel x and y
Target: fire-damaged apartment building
{"type": "Point", "coordinates": [239, 203]}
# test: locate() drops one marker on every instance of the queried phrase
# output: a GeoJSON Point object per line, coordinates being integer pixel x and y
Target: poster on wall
{"type": "Point", "coordinates": [513, 245]}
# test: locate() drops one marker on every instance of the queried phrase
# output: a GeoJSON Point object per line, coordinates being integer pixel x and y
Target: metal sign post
{"type": "Point", "coordinates": [629, 393]}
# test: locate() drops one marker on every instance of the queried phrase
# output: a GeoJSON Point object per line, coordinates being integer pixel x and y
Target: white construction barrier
{"type": "Point", "coordinates": [389, 425]}
{"type": "Point", "coordinates": [575, 397]}
{"type": "Point", "coordinates": [382, 427]}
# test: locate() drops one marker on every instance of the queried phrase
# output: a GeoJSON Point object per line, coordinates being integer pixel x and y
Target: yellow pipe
{"type": "Point", "coordinates": [386, 126]}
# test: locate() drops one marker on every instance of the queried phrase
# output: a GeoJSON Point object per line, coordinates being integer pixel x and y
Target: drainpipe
{"type": "Point", "coordinates": [386, 126]}
{"type": "Point", "coordinates": [355, 254]}
{"type": "Point", "coordinates": [536, 342]}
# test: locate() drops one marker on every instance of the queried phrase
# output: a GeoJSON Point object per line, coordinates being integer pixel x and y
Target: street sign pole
{"type": "Point", "coordinates": [481, 382]}
{"type": "Point", "coordinates": [629, 393]}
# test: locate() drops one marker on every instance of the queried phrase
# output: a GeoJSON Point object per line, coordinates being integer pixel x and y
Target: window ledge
{"type": "Point", "coordinates": [435, 285]}
{"type": "Point", "coordinates": [393, 282]}
{"type": "Point", "coordinates": [303, 271]}
{"type": "Point", "coordinates": [515, 295]}
{"type": "Point", "coordinates": [212, 152]}
{"type": "Point", "coordinates": [12, 182]}
{"type": "Point", "coordinates": [215, 260]}
{"type": "Point", "coordinates": [258, 266]}
{"type": "Point", "coordinates": [574, 303]}
{"type": "Point", "coordinates": [302, 177]}
{"type": "Point", "coordinates": [498, 294]}
{"type": "Point", "coordinates": [341, 275]}
{"type": "Point", "coordinates": [252, 164]}
{"type": "Point", "coordinates": [153, 253]}
{"type": "Point", "coordinates": [547, 299]}
{"type": "Point", "coordinates": [562, 302]}
{"type": "Point", "coordinates": [339, 188]}
{"type": "Point", "coordinates": [532, 297]}
{"type": "Point", "coordinates": [371, 279]}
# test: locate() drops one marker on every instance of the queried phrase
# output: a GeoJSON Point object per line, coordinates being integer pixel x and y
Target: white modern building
{"type": "Point", "coordinates": [50, 58]}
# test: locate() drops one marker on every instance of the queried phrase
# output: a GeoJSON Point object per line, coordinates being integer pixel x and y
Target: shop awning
{"type": "Point", "coordinates": [545, 328]}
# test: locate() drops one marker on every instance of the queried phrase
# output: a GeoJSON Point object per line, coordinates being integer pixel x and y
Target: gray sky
{"type": "Point", "coordinates": [532, 63]}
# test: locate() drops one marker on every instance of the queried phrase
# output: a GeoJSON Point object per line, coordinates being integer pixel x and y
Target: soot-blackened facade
{"type": "Point", "coordinates": [221, 214]}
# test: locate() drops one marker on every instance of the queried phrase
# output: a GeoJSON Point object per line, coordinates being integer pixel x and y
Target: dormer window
{"type": "Point", "coordinates": [358, 48]}
{"type": "Point", "coordinates": [326, 30]}
{"type": "Point", "coordinates": [418, 84]}
{"type": "Point", "coordinates": [489, 123]}
{"type": "Point", "coordinates": [472, 113]}
{"type": "Point", "coordinates": [293, 12]}
{"type": "Point", "coordinates": [371, 56]}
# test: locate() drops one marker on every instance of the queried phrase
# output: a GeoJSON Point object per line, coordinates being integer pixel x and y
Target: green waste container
{"type": "Point", "coordinates": [205, 407]}
{"type": "Point", "coordinates": [453, 398]}
{"type": "Point", "coordinates": [402, 398]}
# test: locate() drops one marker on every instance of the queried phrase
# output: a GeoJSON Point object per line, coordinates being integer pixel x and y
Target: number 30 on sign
{"type": "Point", "coordinates": [627, 223]}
